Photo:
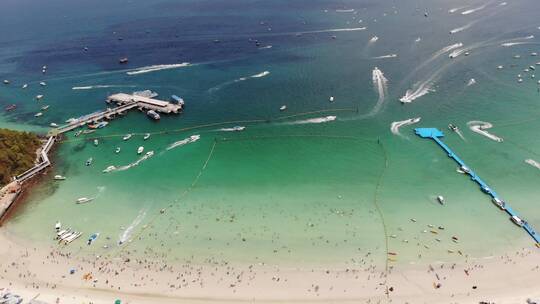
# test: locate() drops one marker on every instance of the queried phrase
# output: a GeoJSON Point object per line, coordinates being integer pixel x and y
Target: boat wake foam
{"type": "Point", "coordinates": [352, 29]}
{"type": "Point", "coordinates": [154, 68]}
{"type": "Point", "coordinates": [386, 56]}
{"type": "Point", "coordinates": [191, 139]}
{"type": "Point", "coordinates": [380, 83]}
{"type": "Point", "coordinates": [461, 29]}
{"type": "Point", "coordinates": [394, 127]}
{"type": "Point", "coordinates": [102, 86]}
{"type": "Point", "coordinates": [455, 9]}
{"type": "Point", "coordinates": [473, 10]}
{"type": "Point", "coordinates": [129, 230]}
{"type": "Point", "coordinates": [533, 163]}
{"type": "Point", "coordinates": [412, 94]}
{"type": "Point", "coordinates": [480, 127]}
{"type": "Point", "coordinates": [317, 120]}
{"type": "Point", "coordinates": [221, 86]}
{"type": "Point", "coordinates": [134, 164]}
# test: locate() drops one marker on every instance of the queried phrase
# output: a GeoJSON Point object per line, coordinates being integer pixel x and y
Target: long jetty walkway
{"type": "Point", "coordinates": [435, 134]}
{"type": "Point", "coordinates": [124, 103]}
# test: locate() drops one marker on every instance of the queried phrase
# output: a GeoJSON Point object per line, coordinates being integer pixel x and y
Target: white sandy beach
{"type": "Point", "coordinates": [44, 273]}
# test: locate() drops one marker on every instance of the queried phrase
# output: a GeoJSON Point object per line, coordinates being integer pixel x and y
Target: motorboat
{"type": "Point", "coordinates": [71, 120]}
{"type": "Point", "coordinates": [149, 154]}
{"type": "Point", "coordinates": [534, 54]}
{"type": "Point", "coordinates": [440, 199]}
{"type": "Point", "coordinates": [517, 220]}
{"type": "Point", "coordinates": [92, 238]}
{"type": "Point", "coordinates": [10, 107]}
{"type": "Point", "coordinates": [331, 98]}
{"type": "Point", "coordinates": [283, 108]}
{"type": "Point", "coordinates": [53, 125]}
{"type": "Point", "coordinates": [123, 60]}
{"type": "Point", "coordinates": [453, 127]}
{"type": "Point", "coordinates": [25, 86]}
{"type": "Point", "coordinates": [500, 67]}
{"type": "Point", "coordinates": [57, 226]}
{"type": "Point", "coordinates": [238, 128]}
{"type": "Point", "coordinates": [178, 100]}
{"type": "Point", "coordinates": [6, 81]}
{"type": "Point", "coordinates": [73, 237]}
{"type": "Point", "coordinates": [89, 161]}
{"type": "Point", "coordinates": [126, 137]}
{"type": "Point", "coordinates": [96, 142]}
{"type": "Point", "coordinates": [44, 108]}
{"type": "Point", "coordinates": [83, 200]}
{"type": "Point", "coordinates": [38, 114]}
{"type": "Point", "coordinates": [59, 177]}
{"type": "Point", "coordinates": [109, 169]}
{"type": "Point", "coordinates": [146, 136]}
{"type": "Point", "coordinates": [117, 150]}
{"type": "Point", "coordinates": [63, 232]}
{"type": "Point", "coordinates": [42, 83]}
{"type": "Point", "coordinates": [140, 150]}
{"type": "Point", "coordinates": [153, 114]}
{"type": "Point", "coordinates": [39, 97]}
{"type": "Point", "coordinates": [99, 125]}
{"type": "Point", "coordinates": [465, 169]}
{"type": "Point", "coordinates": [499, 203]}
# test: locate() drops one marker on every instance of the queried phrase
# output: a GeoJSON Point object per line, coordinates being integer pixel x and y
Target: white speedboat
{"type": "Point", "coordinates": [83, 200]}
{"type": "Point", "coordinates": [42, 83]}
{"type": "Point", "coordinates": [59, 177]}
{"type": "Point", "coordinates": [96, 142]}
{"type": "Point", "coordinates": [6, 81]}
{"type": "Point", "coordinates": [72, 237]}
{"type": "Point", "coordinates": [57, 226]}
{"type": "Point", "coordinates": [53, 125]}
{"type": "Point", "coordinates": [39, 97]}
{"type": "Point", "coordinates": [283, 108]}
{"type": "Point", "coordinates": [517, 220]}
{"type": "Point", "coordinates": [38, 114]}
{"type": "Point", "coordinates": [126, 137]}
{"type": "Point", "coordinates": [62, 232]}
{"type": "Point", "coordinates": [117, 150]}
{"type": "Point", "coordinates": [140, 150]}
{"type": "Point", "coordinates": [499, 203]}
{"type": "Point", "coordinates": [109, 169]}
{"type": "Point", "coordinates": [146, 136]}
{"type": "Point", "coordinates": [440, 199]}
{"type": "Point", "coordinates": [25, 86]}
{"type": "Point", "coordinates": [331, 99]}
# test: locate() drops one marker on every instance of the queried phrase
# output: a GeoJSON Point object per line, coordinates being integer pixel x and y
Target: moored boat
{"type": "Point", "coordinates": [96, 142]}
{"type": "Point", "coordinates": [518, 221]}
{"type": "Point", "coordinates": [499, 203]}
{"type": "Point", "coordinates": [117, 150]}
{"type": "Point", "coordinates": [146, 136]}
{"type": "Point", "coordinates": [83, 200]}
{"type": "Point", "coordinates": [140, 150]}
{"type": "Point", "coordinates": [440, 199]}
{"type": "Point", "coordinates": [283, 108]}
{"type": "Point", "coordinates": [127, 137]}
{"type": "Point", "coordinates": [153, 114]}
{"type": "Point", "coordinates": [59, 177]}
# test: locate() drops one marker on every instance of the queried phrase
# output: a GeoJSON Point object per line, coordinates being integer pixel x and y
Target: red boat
{"type": "Point", "coordinates": [11, 107]}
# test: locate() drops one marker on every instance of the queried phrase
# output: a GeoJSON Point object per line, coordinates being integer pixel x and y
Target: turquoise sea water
{"type": "Point", "coordinates": [280, 191]}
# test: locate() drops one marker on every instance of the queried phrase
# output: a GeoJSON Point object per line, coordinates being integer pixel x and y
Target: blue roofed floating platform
{"type": "Point", "coordinates": [435, 134]}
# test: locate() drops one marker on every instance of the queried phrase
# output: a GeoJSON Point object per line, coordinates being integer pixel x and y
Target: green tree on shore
{"type": "Point", "coordinates": [17, 153]}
